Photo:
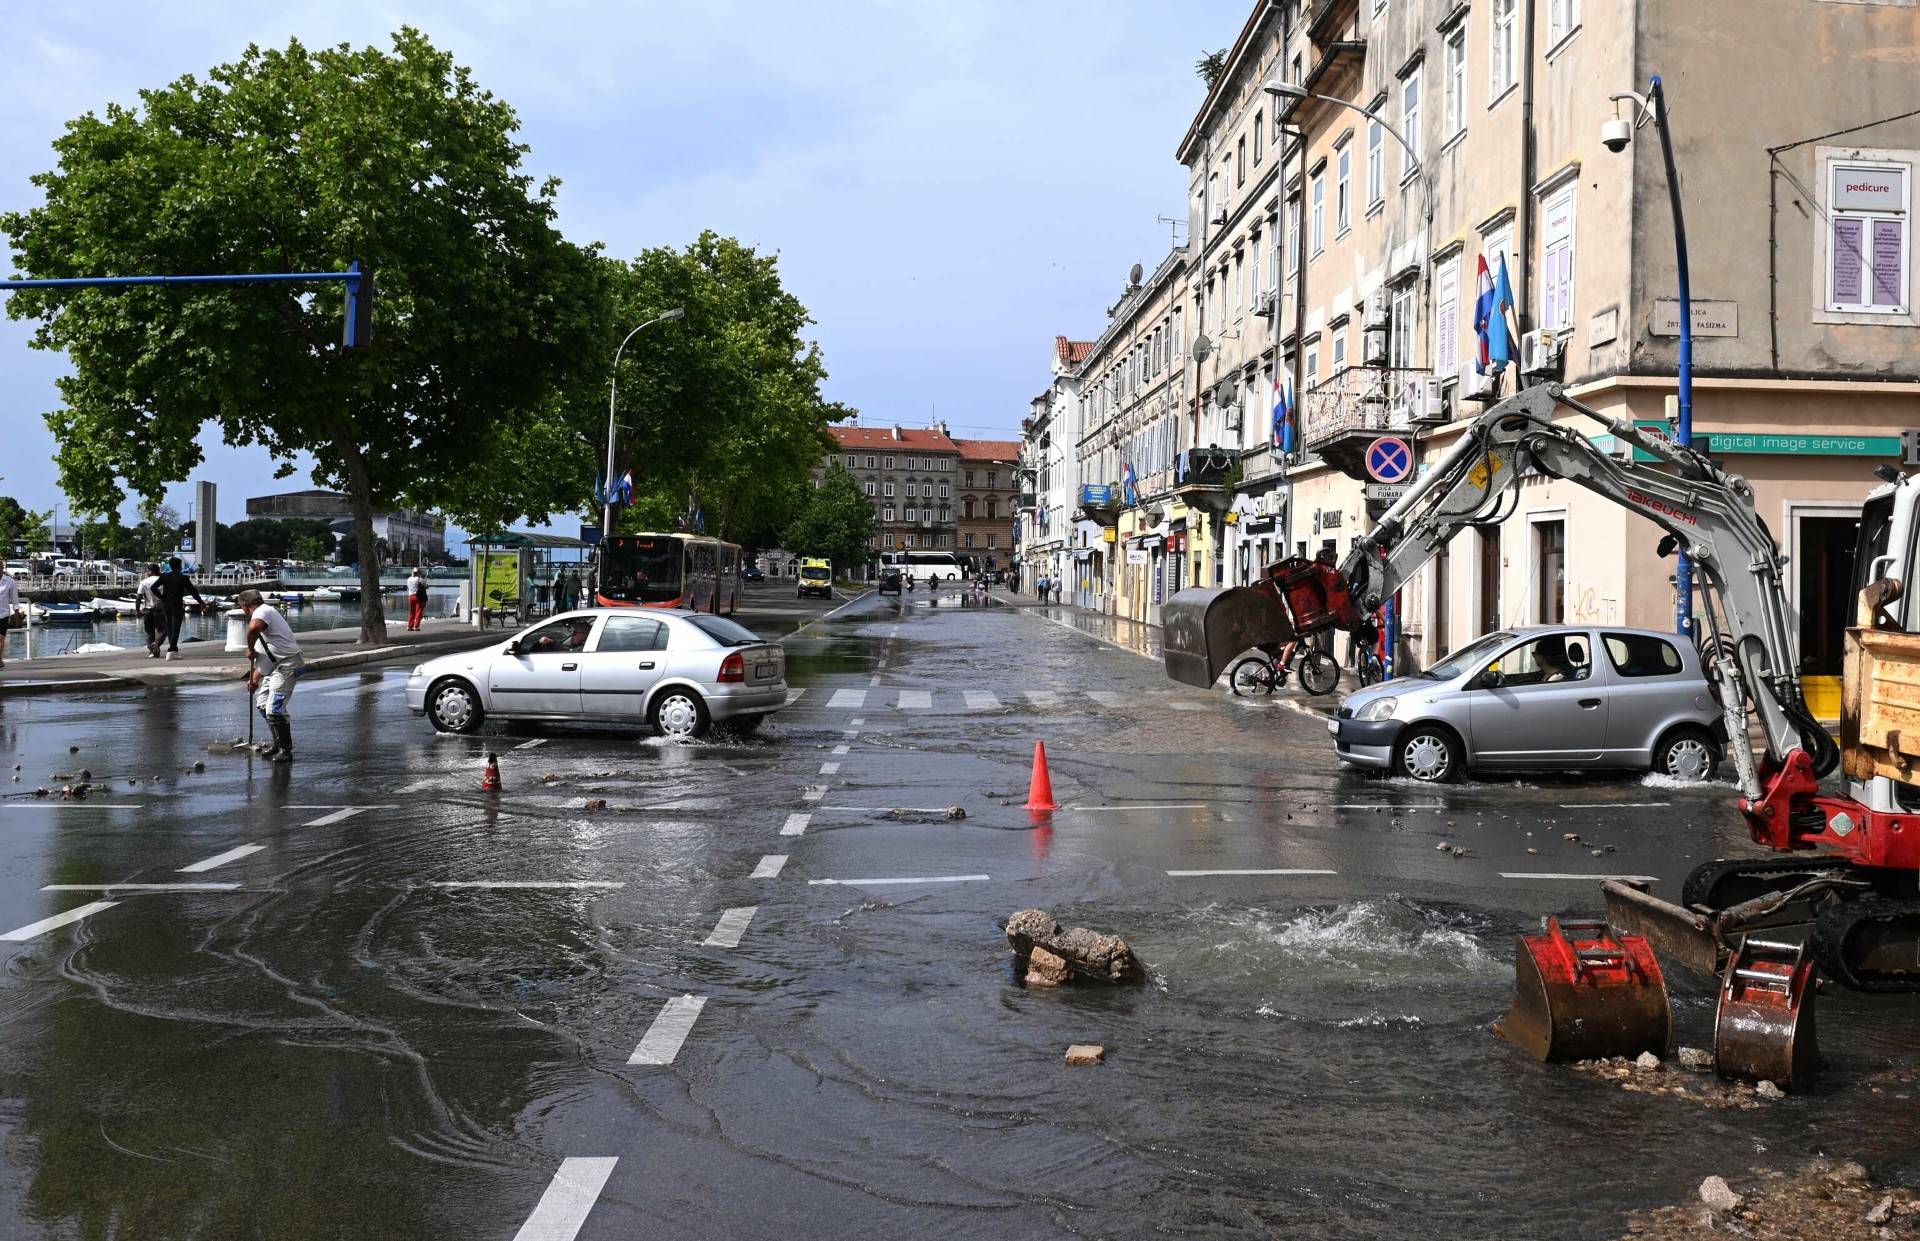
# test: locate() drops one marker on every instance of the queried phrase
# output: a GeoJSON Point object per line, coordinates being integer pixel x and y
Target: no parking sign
{"type": "Point", "coordinates": [1389, 459]}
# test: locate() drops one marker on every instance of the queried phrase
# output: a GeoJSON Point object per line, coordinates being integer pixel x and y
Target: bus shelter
{"type": "Point", "coordinates": [517, 575]}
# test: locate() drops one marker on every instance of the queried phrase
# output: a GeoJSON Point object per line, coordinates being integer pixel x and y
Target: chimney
{"type": "Point", "coordinates": [896, 432]}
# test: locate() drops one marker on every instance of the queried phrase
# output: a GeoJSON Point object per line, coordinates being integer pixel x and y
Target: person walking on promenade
{"type": "Point", "coordinates": [151, 611]}
{"type": "Point", "coordinates": [9, 604]}
{"type": "Point", "coordinates": [416, 598]}
{"type": "Point", "coordinates": [275, 662]}
{"type": "Point", "coordinates": [174, 587]}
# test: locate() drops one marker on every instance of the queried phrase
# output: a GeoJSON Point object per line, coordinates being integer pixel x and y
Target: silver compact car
{"type": "Point", "coordinates": [1560, 697]}
{"type": "Point", "coordinates": [679, 672]}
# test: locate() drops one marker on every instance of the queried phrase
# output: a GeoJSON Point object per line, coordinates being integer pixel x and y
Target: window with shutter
{"type": "Point", "coordinates": [1446, 317]}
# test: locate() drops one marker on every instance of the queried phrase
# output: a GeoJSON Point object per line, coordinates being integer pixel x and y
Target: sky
{"type": "Point", "coordinates": [948, 186]}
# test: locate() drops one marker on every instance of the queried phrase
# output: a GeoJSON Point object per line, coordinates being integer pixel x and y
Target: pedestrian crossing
{"type": "Point", "coordinates": [941, 700]}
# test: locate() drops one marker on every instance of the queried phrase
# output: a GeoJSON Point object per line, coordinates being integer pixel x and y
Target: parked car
{"type": "Point", "coordinates": [678, 672]}
{"type": "Point", "coordinates": [1555, 696]}
{"type": "Point", "coordinates": [889, 583]}
{"type": "Point", "coordinates": [752, 573]}
{"type": "Point", "coordinates": [20, 568]}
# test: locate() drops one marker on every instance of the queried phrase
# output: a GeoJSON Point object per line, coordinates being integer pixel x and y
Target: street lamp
{"type": "Point", "coordinates": [1615, 135]}
{"type": "Point", "coordinates": [1292, 90]}
{"type": "Point", "coordinates": [613, 388]}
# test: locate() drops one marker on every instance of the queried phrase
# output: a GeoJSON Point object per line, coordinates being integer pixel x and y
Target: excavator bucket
{"type": "Point", "coordinates": [1203, 630]}
{"type": "Point", "coordinates": [1677, 935]}
{"type": "Point", "coordinates": [1764, 1029]}
{"type": "Point", "coordinates": [1582, 992]}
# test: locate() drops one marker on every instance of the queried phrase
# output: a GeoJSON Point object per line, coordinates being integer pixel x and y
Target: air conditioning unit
{"type": "Point", "coordinates": [1477, 387]}
{"type": "Point", "coordinates": [1375, 314]}
{"type": "Point", "coordinates": [1429, 400]}
{"type": "Point", "coordinates": [1264, 306]}
{"type": "Point", "coordinates": [1373, 345]}
{"type": "Point", "coordinates": [1219, 217]}
{"type": "Point", "coordinates": [1540, 352]}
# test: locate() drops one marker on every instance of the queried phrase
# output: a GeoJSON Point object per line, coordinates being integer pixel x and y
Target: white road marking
{"type": "Point", "coordinates": [841, 749]}
{"type": "Point", "coordinates": [1384, 805]}
{"type": "Point", "coordinates": [769, 867]}
{"type": "Point", "coordinates": [814, 794]}
{"type": "Point", "coordinates": [910, 879]}
{"type": "Point", "coordinates": [57, 921]}
{"type": "Point", "coordinates": [538, 884]}
{"type": "Point", "coordinates": [1188, 805]}
{"type": "Point", "coordinates": [1523, 874]}
{"type": "Point", "coordinates": [356, 689]}
{"type": "Point", "coordinates": [827, 769]}
{"type": "Point", "coordinates": [850, 698]}
{"type": "Point", "coordinates": [793, 696]}
{"type": "Point", "coordinates": [857, 721]}
{"type": "Point", "coordinates": [980, 700]}
{"type": "Point", "coordinates": [916, 699]}
{"type": "Point", "coordinates": [221, 859]}
{"type": "Point", "coordinates": [881, 664]}
{"type": "Point", "coordinates": [140, 887]}
{"type": "Point", "coordinates": [796, 825]}
{"type": "Point", "coordinates": [1613, 805]}
{"type": "Point", "coordinates": [732, 925]}
{"type": "Point", "coordinates": [341, 816]}
{"type": "Point", "coordinates": [71, 805]}
{"type": "Point", "coordinates": [1043, 698]}
{"type": "Point", "coordinates": [1183, 704]}
{"type": "Point", "coordinates": [873, 680]}
{"type": "Point", "coordinates": [661, 1043]}
{"type": "Point", "coordinates": [418, 786]}
{"type": "Point", "coordinates": [1107, 697]}
{"type": "Point", "coordinates": [1194, 874]}
{"type": "Point", "coordinates": [535, 744]}
{"type": "Point", "coordinates": [571, 1193]}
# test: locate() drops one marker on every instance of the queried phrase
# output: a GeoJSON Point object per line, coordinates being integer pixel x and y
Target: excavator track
{"type": "Point", "coordinates": [1871, 944]}
{"type": "Point", "coordinates": [1719, 884]}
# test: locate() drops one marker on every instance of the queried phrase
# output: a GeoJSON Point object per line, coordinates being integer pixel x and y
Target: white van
{"type": "Point", "coordinates": [926, 566]}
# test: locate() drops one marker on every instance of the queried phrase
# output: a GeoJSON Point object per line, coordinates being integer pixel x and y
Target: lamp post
{"type": "Point", "coordinates": [613, 388]}
{"type": "Point", "coordinates": [1615, 135]}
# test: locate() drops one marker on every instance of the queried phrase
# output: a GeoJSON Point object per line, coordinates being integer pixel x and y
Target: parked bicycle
{"type": "Point", "coordinates": [1318, 671]}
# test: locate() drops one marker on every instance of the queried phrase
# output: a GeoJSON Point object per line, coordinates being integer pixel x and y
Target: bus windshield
{"type": "Point", "coordinates": [641, 571]}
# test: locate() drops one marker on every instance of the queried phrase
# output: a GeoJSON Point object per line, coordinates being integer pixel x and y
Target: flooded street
{"type": "Point", "coordinates": [765, 991]}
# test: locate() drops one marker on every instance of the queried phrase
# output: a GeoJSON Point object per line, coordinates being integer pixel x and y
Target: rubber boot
{"type": "Point", "coordinates": [282, 738]}
{"type": "Point", "coordinates": [271, 746]}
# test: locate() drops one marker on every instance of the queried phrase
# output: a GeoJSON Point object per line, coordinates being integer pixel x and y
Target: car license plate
{"type": "Point", "coordinates": [765, 672]}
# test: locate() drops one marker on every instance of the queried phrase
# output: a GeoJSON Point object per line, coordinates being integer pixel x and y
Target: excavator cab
{"type": "Point", "coordinates": [1205, 630]}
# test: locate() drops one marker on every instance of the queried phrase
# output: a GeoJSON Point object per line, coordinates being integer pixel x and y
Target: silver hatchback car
{"type": "Point", "coordinates": [674, 670]}
{"type": "Point", "coordinates": [1560, 696]}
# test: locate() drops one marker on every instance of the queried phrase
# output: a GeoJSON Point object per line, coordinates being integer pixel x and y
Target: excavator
{"type": "Point", "coordinates": [1840, 901]}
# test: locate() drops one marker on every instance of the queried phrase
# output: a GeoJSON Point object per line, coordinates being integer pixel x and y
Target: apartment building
{"type": "Point", "coordinates": [908, 475]}
{"type": "Point", "coordinates": [987, 496]}
{"type": "Point", "coordinates": [1047, 470]}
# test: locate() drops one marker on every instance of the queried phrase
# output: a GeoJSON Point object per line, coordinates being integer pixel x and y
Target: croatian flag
{"type": "Point", "coordinates": [1283, 413]}
{"type": "Point", "coordinates": [1127, 486]}
{"type": "Point", "coordinates": [1483, 319]}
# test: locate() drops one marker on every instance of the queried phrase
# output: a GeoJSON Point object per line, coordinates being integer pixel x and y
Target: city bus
{"type": "Point", "coordinates": [925, 566]}
{"type": "Point", "coordinates": [669, 571]}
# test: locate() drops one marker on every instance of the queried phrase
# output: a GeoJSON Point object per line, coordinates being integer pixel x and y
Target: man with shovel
{"type": "Point", "coordinates": [276, 663]}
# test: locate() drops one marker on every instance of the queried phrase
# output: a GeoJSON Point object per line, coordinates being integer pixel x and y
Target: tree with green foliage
{"type": "Point", "coordinates": [22, 528]}
{"type": "Point", "coordinates": [1210, 66]}
{"type": "Point", "coordinates": [154, 537]}
{"type": "Point", "coordinates": [303, 160]}
{"type": "Point", "coordinates": [308, 549]}
{"type": "Point", "coordinates": [836, 522]}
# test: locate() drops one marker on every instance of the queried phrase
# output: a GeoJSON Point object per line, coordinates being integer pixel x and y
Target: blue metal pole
{"type": "Point", "coordinates": [1683, 425]}
{"type": "Point", "coordinates": [288, 277]}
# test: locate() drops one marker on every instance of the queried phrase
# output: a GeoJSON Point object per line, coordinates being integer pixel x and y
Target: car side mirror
{"type": "Point", "coordinates": [1492, 678]}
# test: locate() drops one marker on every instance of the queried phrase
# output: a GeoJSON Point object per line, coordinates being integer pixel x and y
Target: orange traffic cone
{"type": "Point", "coordinates": [1040, 787]}
{"type": "Point", "coordinates": [490, 782]}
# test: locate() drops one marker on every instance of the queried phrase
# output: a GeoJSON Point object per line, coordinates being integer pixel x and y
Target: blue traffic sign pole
{"type": "Point", "coordinates": [358, 283]}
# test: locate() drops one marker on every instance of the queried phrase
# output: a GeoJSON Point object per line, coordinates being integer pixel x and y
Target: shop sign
{"type": "Point", "coordinates": [1137, 555]}
{"type": "Point", "coordinates": [1808, 445]}
{"type": "Point", "coordinates": [1111, 534]}
{"type": "Point", "coordinates": [1330, 518]}
{"type": "Point", "coordinates": [1096, 495]}
{"type": "Point", "coordinates": [1867, 189]}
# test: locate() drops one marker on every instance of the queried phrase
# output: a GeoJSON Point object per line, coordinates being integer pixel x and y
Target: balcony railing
{"type": "Point", "coordinates": [1360, 398]}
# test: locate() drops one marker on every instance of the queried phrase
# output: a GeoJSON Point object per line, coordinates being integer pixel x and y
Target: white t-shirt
{"type": "Point", "coordinates": [9, 594]}
{"type": "Point", "coordinates": [416, 585]}
{"type": "Point", "coordinates": [277, 637]}
{"type": "Point", "coordinates": [149, 597]}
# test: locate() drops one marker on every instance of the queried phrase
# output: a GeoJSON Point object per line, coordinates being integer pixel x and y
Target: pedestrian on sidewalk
{"type": "Point", "coordinates": [274, 665]}
{"type": "Point", "coordinates": [1043, 584]}
{"type": "Point", "coordinates": [9, 604]}
{"type": "Point", "coordinates": [565, 592]}
{"type": "Point", "coordinates": [151, 611]}
{"type": "Point", "coordinates": [416, 598]}
{"type": "Point", "coordinates": [1056, 590]}
{"type": "Point", "coordinates": [174, 587]}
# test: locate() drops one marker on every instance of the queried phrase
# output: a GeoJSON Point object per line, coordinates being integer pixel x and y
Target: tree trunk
{"type": "Point", "coordinates": [373, 616]}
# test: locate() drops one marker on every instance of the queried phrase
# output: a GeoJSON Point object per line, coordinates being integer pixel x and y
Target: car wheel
{"type": "Point", "coordinates": [1428, 754]}
{"type": "Point", "coordinates": [453, 706]}
{"type": "Point", "coordinates": [1686, 754]}
{"type": "Point", "coordinates": [680, 713]}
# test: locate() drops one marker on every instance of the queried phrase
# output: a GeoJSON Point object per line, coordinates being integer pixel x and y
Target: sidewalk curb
{"type": "Point", "coordinates": [228, 672]}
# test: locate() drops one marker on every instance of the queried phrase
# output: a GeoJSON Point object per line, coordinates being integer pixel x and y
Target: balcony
{"type": "Point", "coordinates": [1099, 502]}
{"type": "Point", "coordinates": [1208, 478]}
{"type": "Point", "coordinates": [1351, 408]}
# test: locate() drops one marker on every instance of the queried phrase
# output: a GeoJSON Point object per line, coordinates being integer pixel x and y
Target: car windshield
{"type": "Point", "coordinates": [1458, 663]}
{"type": "Point", "coordinates": [815, 575]}
{"type": "Point", "coordinates": [724, 631]}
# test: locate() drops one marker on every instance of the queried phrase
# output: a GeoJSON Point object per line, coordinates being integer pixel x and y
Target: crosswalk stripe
{"type": "Point", "coordinates": [916, 699]}
{"type": "Point", "coordinates": [980, 700]}
{"type": "Point", "coordinates": [1043, 698]}
{"type": "Point", "coordinates": [669, 1030]}
{"type": "Point", "coordinates": [793, 696]}
{"type": "Point", "coordinates": [853, 699]}
{"type": "Point", "coordinates": [1107, 698]}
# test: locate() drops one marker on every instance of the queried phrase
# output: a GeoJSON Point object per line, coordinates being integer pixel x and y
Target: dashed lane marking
{"type": "Point", "coordinates": [769, 867]}
{"type": "Point", "coordinates": [72, 805]}
{"type": "Point", "coordinates": [33, 929]}
{"type": "Point", "coordinates": [221, 859]}
{"type": "Point", "coordinates": [418, 786]}
{"type": "Point", "coordinates": [1524, 874]}
{"type": "Point", "coordinates": [535, 744]}
{"type": "Point", "coordinates": [1185, 805]}
{"type": "Point", "coordinates": [1187, 704]}
{"type": "Point", "coordinates": [853, 699]}
{"type": "Point", "coordinates": [815, 793]}
{"type": "Point", "coordinates": [570, 1195]}
{"type": "Point", "coordinates": [981, 700]}
{"type": "Point", "coordinates": [661, 1043]}
{"type": "Point", "coordinates": [338, 816]}
{"type": "Point", "coordinates": [532, 884]}
{"type": "Point", "coordinates": [862, 883]}
{"type": "Point", "coordinates": [873, 680]}
{"type": "Point", "coordinates": [1613, 805]}
{"type": "Point", "coordinates": [827, 769]}
{"type": "Point", "coordinates": [841, 749]}
{"type": "Point", "coordinates": [916, 699]}
{"type": "Point", "coordinates": [1385, 805]}
{"type": "Point", "coordinates": [732, 925]}
{"type": "Point", "coordinates": [140, 887]}
{"type": "Point", "coordinates": [1195, 874]}
{"type": "Point", "coordinates": [857, 721]}
{"type": "Point", "coordinates": [796, 825]}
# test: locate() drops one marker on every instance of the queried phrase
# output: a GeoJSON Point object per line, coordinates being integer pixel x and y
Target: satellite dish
{"type": "Point", "coordinates": [1228, 393]}
{"type": "Point", "coordinates": [1133, 277]}
{"type": "Point", "coordinates": [1201, 347]}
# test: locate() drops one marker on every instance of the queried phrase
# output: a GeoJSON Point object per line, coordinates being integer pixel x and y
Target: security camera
{"type": "Point", "coordinates": [1616, 134]}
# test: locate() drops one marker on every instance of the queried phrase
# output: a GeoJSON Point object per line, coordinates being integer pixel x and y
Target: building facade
{"type": "Point", "coordinates": [1419, 138]}
{"type": "Point", "coordinates": [410, 535]}
{"type": "Point", "coordinates": [987, 496]}
{"type": "Point", "coordinates": [932, 492]}
{"type": "Point", "coordinates": [1047, 468]}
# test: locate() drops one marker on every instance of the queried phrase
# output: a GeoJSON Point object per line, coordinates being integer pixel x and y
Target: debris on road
{"type": "Point", "coordinates": [595, 803]}
{"type": "Point", "coordinates": [1698, 1059]}
{"type": "Point", "coordinates": [1647, 1060]}
{"type": "Point", "coordinates": [1081, 1054]}
{"type": "Point", "coordinates": [1767, 1090]}
{"type": "Point", "coordinates": [956, 812]}
{"type": "Point", "coordinates": [1708, 1091]}
{"type": "Point", "coordinates": [1821, 1200]}
{"type": "Point", "coordinates": [1084, 953]}
{"type": "Point", "coordinates": [233, 746]}
{"type": "Point", "coordinates": [1718, 1195]}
